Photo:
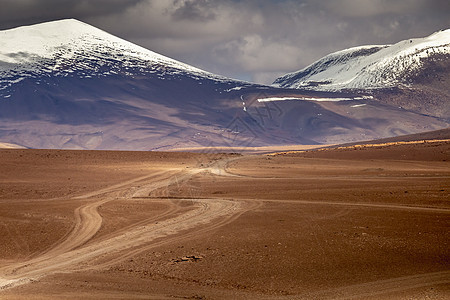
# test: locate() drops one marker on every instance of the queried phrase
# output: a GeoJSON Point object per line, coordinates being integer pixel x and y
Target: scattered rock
{"type": "Point", "coordinates": [191, 258]}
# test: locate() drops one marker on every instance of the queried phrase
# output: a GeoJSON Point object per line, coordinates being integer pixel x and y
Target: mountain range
{"type": "Point", "coordinates": [68, 85]}
{"type": "Point", "coordinates": [413, 74]}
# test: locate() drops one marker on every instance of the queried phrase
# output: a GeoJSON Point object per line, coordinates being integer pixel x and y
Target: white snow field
{"type": "Point", "coordinates": [67, 46]}
{"type": "Point", "coordinates": [368, 67]}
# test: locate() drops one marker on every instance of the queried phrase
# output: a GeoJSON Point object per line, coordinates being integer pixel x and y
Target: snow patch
{"type": "Point", "coordinates": [303, 99]}
{"type": "Point", "coordinates": [235, 89]}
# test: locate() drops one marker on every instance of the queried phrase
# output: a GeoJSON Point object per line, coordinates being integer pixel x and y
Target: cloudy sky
{"type": "Point", "coordinates": [246, 39]}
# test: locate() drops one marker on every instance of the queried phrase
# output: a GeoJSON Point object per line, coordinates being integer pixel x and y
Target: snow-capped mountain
{"type": "Point", "coordinates": [66, 84]}
{"type": "Point", "coordinates": [73, 48]}
{"type": "Point", "coordinates": [413, 74]}
{"type": "Point", "coordinates": [370, 67]}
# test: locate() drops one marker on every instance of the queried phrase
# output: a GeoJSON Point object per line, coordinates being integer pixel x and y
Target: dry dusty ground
{"type": "Point", "coordinates": [359, 223]}
{"type": "Point", "coordinates": [249, 150]}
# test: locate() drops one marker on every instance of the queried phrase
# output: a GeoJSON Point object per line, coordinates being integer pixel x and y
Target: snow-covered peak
{"type": "Point", "coordinates": [368, 66]}
{"type": "Point", "coordinates": [71, 46]}
{"type": "Point", "coordinates": [42, 39]}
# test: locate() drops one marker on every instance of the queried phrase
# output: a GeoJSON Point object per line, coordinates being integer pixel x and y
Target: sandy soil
{"type": "Point", "coordinates": [370, 223]}
{"type": "Point", "coordinates": [250, 150]}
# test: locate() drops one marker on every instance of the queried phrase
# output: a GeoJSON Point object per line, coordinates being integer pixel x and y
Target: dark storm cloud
{"type": "Point", "coordinates": [250, 39]}
{"type": "Point", "coordinates": [15, 13]}
{"type": "Point", "coordinates": [201, 10]}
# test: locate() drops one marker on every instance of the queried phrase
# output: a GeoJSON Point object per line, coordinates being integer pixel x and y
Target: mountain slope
{"type": "Point", "coordinates": [70, 47]}
{"type": "Point", "coordinates": [66, 84]}
{"type": "Point", "coordinates": [413, 74]}
{"type": "Point", "coordinates": [369, 67]}
{"type": "Point", "coordinates": [99, 90]}
{"type": "Point", "coordinates": [10, 146]}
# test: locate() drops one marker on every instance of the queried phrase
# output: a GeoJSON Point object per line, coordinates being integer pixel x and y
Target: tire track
{"type": "Point", "coordinates": [383, 288]}
{"type": "Point", "coordinates": [87, 222]}
{"type": "Point", "coordinates": [364, 205]}
{"type": "Point", "coordinates": [73, 254]}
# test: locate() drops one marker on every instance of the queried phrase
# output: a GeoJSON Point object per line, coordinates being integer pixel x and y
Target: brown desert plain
{"type": "Point", "coordinates": [359, 222]}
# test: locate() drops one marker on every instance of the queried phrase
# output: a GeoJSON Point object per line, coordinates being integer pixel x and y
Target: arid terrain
{"type": "Point", "coordinates": [366, 222]}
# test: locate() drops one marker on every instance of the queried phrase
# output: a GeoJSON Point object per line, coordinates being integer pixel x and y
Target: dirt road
{"type": "Point", "coordinates": [165, 226]}
{"type": "Point", "coordinates": [73, 254]}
